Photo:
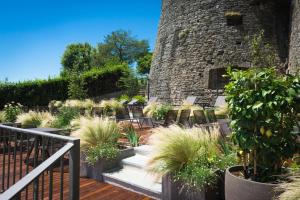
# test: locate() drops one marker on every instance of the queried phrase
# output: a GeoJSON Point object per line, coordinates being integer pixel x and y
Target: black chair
{"type": "Point", "coordinates": [184, 118]}
{"type": "Point", "coordinates": [211, 117]}
{"type": "Point", "coordinates": [97, 111]}
{"type": "Point", "coordinates": [199, 117]}
{"type": "Point", "coordinates": [122, 114]}
{"type": "Point", "coordinates": [139, 117]}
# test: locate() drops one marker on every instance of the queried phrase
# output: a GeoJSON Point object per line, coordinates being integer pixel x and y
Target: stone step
{"type": "Point", "coordinates": [138, 161]}
{"type": "Point", "coordinates": [144, 150]}
{"type": "Point", "coordinates": [137, 180]}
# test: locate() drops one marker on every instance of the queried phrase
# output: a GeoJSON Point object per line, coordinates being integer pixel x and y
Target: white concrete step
{"type": "Point", "coordinates": [144, 150]}
{"type": "Point", "coordinates": [138, 161]}
{"type": "Point", "coordinates": [137, 180]}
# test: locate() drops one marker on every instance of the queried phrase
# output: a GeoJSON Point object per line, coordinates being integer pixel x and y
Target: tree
{"type": "Point", "coordinates": [144, 64]}
{"type": "Point", "coordinates": [121, 46]}
{"type": "Point", "coordinates": [77, 57]}
{"type": "Point", "coordinates": [76, 87]}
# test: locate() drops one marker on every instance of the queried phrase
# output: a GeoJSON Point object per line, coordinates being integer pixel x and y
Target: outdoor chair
{"type": "Point", "coordinates": [122, 114]}
{"type": "Point", "coordinates": [184, 118]}
{"type": "Point", "coordinates": [139, 117]}
{"type": "Point", "coordinates": [199, 117]}
{"type": "Point", "coordinates": [220, 101]}
{"type": "Point", "coordinates": [97, 111]}
{"type": "Point", "coordinates": [211, 117]}
{"type": "Point", "coordinates": [190, 100]}
{"type": "Point", "coordinates": [170, 118]}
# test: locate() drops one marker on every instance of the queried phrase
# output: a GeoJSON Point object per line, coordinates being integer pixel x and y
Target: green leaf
{"type": "Point", "coordinates": [257, 105]}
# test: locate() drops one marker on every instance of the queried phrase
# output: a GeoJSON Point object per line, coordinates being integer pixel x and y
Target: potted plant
{"type": "Point", "coordinates": [99, 146]}
{"type": "Point", "coordinates": [263, 111]}
{"type": "Point", "coordinates": [34, 119]}
{"type": "Point", "coordinates": [191, 162]}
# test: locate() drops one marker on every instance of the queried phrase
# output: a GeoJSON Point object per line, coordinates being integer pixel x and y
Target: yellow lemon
{"type": "Point", "coordinates": [262, 130]}
{"type": "Point", "coordinates": [269, 133]}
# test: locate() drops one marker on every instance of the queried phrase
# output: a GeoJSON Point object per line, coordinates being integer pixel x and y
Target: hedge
{"type": "Point", "coordinates": [40, 92]}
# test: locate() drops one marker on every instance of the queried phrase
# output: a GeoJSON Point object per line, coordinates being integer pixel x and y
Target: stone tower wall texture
{"type": "Point", "coordinates": [294, 53]}
{"type": "Point", "coordinates": [196, 43]}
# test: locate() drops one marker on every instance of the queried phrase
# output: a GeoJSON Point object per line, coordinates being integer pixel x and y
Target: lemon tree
{"type": "Point", "coordinates": [262, 107]}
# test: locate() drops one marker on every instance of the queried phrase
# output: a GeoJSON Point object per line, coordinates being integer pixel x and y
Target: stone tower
{"type": "Point", "coordinates": [198, 39]}
{"type": "Point", "coordinates": [294, 48]}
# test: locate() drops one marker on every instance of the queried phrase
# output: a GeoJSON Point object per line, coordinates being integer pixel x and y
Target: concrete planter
{"type": "Point", "coordinates": [174, 190]}
{"type": "Point", "coordinates": [237, 188]}
{"type": "Point", "coordinates": [95, 171]}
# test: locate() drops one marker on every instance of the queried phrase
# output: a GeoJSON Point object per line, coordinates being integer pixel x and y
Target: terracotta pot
{"type": "Point", "coordinates": [237, 188]}
{"type": "Point", "coordinates": [174, 190]}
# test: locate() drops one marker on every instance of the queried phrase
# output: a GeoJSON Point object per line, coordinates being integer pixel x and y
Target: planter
{"type": "Point", "coordinates": [174, 190]}
{"type": "Point", "coordinates": [95, 171]}
{"type": "Point", "coordinates": [237, 188]}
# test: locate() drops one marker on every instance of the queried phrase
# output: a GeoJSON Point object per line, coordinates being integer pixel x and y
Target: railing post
{"type": "Point", "coordinates": [74, 167]}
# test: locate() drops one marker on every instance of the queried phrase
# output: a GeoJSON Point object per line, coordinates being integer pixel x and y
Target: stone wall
{"type": "Point", "coordinates": [294, 54]}
{"type": "Point", "coordinates": [194, 41]}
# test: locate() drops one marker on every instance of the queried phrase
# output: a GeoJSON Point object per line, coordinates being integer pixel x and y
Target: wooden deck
{"type": "Point", "coordinates": [89, 189]}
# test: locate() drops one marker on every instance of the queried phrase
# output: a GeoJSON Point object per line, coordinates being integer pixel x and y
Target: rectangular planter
{"type": "Point", "coordinates": [95, 171]}
{"type": "Point", "coordinates": [174, 190]}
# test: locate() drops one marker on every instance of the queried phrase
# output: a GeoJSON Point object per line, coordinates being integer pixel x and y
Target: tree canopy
{"type": "Point", "coordinates": [144, 64]}
{"type": "Point", "coordinates": [117, 47]}
{"type": "Point", "coordinates": [77, 57]}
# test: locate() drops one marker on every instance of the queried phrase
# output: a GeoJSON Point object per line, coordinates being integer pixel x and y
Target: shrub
{"type": "Point", "coordinates": [124, 97]}
{"type": "Point", "coordinates": [55, 104]}
{"type": "Point", "coordinates": [133, 137]}
{"type": "Point", "coordinates": [140, 99]}
{"type": "Point", "coordinates": [97, 131]}
{"type": "Point", "coordinates": [125, 126]}
{"type": "Point", "coordinates": [262, 108]}
{"type": "Point", "coordinates": [104, 151]}
{"type": "Point", "coordinates": [2, 117]}
{"type": "Point", "coordinates": [77, 86]}
{"type": "Point", "coordinates": [150, 109]}
{"type": "Point", "coordinates": [161, 111]}
{"type": "Point", "coordinates": [98, 81]}
{"type": "Point", "coordinates": [35, 119]}
{"type": "Point", "coordinates": [191, 155]}
{"type": "Point", "coordinates": [110, 106]}
{"type": "Point", "coordinates": [65, 116]}
{"type": "Point", "coordinates": [11, 111]}
{"type": "Point", "coordinates": [87, 103]}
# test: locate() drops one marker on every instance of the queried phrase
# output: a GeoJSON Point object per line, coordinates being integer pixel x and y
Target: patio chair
{"type": "Point", "coordinates": [184, 118]}
{"type": "Point", "coordinates": [139, 117]}
{"type": "Point", "coordinates": [199, 117]}
{"type": "Point", "coordinates": [190, 100]}
{"type": "Point", "coordinates": [211, 117]}
{"type": "Point", "coordinates": [97, 111]}
{"type": "Point", "coordinates": [170, 118]}
{"type": "Point", "coordinates": [220, 101]}
{"type": "Point", "coordinates": [122, 114]}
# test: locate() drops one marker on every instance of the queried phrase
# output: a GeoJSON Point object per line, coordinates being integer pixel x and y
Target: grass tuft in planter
{"type": "Point", "coordinates": [191, 156]}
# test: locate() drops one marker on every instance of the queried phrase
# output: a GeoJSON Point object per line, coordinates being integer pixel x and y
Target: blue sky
{"type": "Point", "coordinates": [34, 33]}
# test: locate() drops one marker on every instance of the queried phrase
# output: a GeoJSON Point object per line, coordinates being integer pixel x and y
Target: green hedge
{"type": "Point", "coordinates": [40, 92]}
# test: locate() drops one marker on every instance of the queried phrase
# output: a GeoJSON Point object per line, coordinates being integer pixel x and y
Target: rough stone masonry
{"type": "Point", "coordinates": [197, 41]}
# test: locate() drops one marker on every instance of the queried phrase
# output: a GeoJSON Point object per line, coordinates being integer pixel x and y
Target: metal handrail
{"type": "Point", "coordinates": [68, 145]}
{"type": "Point", "coordinates": [29, 178]}
{"type": "Point", "coordinates": [38, 133]}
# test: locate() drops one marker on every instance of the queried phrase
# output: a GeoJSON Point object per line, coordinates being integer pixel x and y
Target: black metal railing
{"type": "Point", "coordinates": [38, 165]}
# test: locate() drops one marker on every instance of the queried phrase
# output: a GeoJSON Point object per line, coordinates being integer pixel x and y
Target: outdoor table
{"type": "Point", "coordinates": [40, 140]}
